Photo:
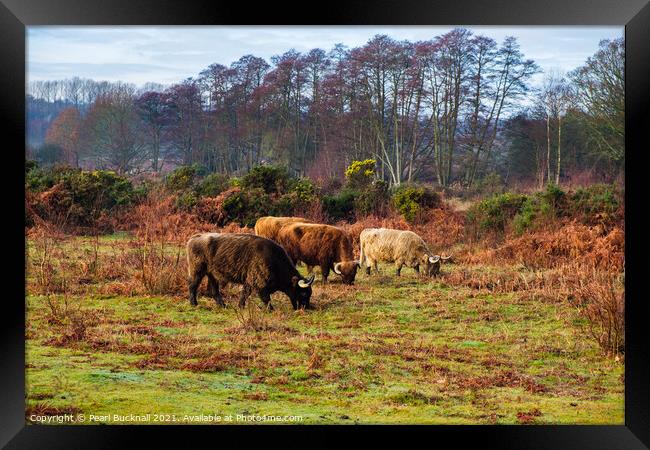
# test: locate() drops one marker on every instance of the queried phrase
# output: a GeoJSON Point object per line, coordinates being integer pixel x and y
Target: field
{"type": "Point", "coordinates": [386, 350]}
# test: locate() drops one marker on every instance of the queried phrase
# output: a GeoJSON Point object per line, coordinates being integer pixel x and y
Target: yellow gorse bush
{"type": "Point", "coordinates": [360, 173]}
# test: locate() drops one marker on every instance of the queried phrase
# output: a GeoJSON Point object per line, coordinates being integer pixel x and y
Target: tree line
{"type": "Point", "coordinates": [449, 110]}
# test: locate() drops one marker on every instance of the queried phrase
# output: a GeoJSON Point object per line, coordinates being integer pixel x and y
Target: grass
{"type": "Point", "coordinates": [386, 350]}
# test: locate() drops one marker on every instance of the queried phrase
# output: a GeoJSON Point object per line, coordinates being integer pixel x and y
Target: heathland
{"type": "Point", "coordinates": [523, 325]}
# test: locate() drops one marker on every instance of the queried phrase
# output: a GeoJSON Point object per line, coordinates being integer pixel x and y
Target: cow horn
{"type": "Point", "coordinates": [358, 263]}
{"type": "Point", "coordinates": [306, 283]}
{"type": "Point", "coordinates": [336, 268]}
{"type": "Point", "coordinates": [445, 258]}
{"type": "Point", "coordinates": [434, 259]}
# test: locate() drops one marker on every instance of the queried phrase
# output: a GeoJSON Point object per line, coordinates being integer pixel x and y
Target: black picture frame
{"type": "Point", "coordinates": [15, 15]}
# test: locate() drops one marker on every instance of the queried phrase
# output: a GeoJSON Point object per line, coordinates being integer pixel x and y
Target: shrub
{"type": "Point", "coordinates": [302, 193]}
{"type": "Point", "coordinates": [555, 198]}
{"type": "Point", "coordinates": [40, 179]}
{"type": "Point", "coordinates": [79, 197]}
{"type": "Point", "coordinates": [258, 204]}
{"type": "Point", "coordinates": [373, 200]}
{"type": "Point", "coordinates": [245, 206]}
{"type": "Point", "coordinates": [602, 301]}
{"type": "Point", "coordinates": [360, 174]}
{"type": "Point", "coordinates": [341, 206]}
{"type": "Point", "coordinates": [410, 200]}
{"type": "Point", "coordinates": [331, 186]}
{"type": "Point", "coordinates": [142, 190]}
{"type": "Point", "coordinates": [270, 179]}
{"type": "Point", "coordinates": [212, 185]}
{"type": "Point", "coordinates": [285, 205]}
{"type": "Point", "coordinates": [234, 205]}
{"type": "Point", "coordinates": [30, 164]}
{"type": "Point", "coordinates": [304, 188]}
{"type": "Point", "coordinates": [490, 184]}
{"type": "Point", "coordinates": [526, 217]}
{"type": "Point", "coordinates": [186, 201]}
{"type": "Point", "coordinates": [595, 201]}
{"type": "Point", "coordinates": [103, 188]}
{"type": "Point", "coordinates": [249, 199]}
{"type": "Point", "coordinates": [183, 177]}
{"type": "Point", "coordinates": [540, 208]}
{"type": "Point", "coordinates": [492, 214]}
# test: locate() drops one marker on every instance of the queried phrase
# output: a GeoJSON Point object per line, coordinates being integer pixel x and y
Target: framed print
{"type": "Point", "coordinates": [381, 215]}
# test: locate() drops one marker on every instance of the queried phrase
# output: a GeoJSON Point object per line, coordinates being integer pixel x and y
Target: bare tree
{"type": "Point", "coordinates": [554, 100]}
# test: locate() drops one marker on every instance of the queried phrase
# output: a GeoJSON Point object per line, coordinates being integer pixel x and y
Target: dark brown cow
{"type": "Point", "coordinates": [259, 264]}
{"type": "Point", "coordinates": [320, 245]}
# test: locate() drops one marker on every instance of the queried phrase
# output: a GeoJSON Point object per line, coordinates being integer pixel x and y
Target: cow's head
{"type": "Point", "coordinates": [347, 270]}
{"type": "Point", "coordinates": [431, 264]}
{"type": "Point", "coordinates": [300, 292]}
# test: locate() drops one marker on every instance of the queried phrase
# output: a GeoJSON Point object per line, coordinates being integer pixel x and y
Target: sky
{"type": "Point", "coordinates": [169, 54]}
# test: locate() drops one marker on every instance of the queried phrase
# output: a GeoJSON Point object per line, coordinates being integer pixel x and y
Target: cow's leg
{"type": "Point", "coordinates": [193, 282]}
{"type": "Point", "coordinates": [325, 270]}
{"type": "Point", "coordinates": [374, 264]}
{"type": "Point", "coordinates": [245, 293]}
{"type": "Point", "coordinates": [398, 268]}
{"type": "Point", "coordinates": [368, 265]}
{"type": "Point", "coordinates": [266, 299]}
{"type": "Point", "coordinates": [417, 268]}
{"type": "Point", "coordinates": [213, 286]}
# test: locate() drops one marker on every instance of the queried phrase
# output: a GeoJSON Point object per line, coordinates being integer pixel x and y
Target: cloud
{"type": "Point", "coordinates": [167, 54]}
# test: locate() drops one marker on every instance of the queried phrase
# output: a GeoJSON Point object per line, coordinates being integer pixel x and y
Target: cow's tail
{"type": "Point", "coordinates": [362, 257]}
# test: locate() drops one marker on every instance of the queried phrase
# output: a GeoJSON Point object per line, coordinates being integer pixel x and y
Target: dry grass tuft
{"type": "Point", "coordinates": [218, 362]}
{"type": "Point", "coordinates": [528, 417]}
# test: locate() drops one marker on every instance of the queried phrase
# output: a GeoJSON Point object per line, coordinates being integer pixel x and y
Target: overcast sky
{"type": "Point", "coordinates": [166, 54]}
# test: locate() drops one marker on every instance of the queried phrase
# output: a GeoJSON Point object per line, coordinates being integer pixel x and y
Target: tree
{"type": "Point", "coordinates": [249, 72]}
{"type": "Point", "coordinates": [48, 154]}
{"type": "Point", "coordinates": [553, 101]}
{"type": "Point", "coordinates": [64, 133]}
{"type": "Point", "coordinates": [185, 115]}
{"type": "Point", "coordinates": [152, 109]}
{"type": "Point", "coordinates": [525, 135]}
{"type": "Point", "coordinates": [499, 78]}
{"type": "Point", "coordinates": [436, 110]}
{"type": "Point", "coordinates": [599, 88]}
{"type": "Point", "coordinates": [113, 131]}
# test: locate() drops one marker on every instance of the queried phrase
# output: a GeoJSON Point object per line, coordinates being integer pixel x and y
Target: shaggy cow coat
{"type": "Point", "coordinates": [325, 246]}
{"type": "Point", "coordinates": [401, 247]}
{"type": "Point", "coordinates": [257, 263]}
{"type": "Point", "coordinates": [269, 226]}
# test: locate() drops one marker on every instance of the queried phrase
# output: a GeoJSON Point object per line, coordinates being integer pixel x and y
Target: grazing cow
{"type": "Point", "coordinates": [259, 264]}
{"type": "Point", "coordinates": [269, 226]}
{"type": "Point", "coordinates": [320, 245]}
{"type": "Point", "coordinates": [404, 248]}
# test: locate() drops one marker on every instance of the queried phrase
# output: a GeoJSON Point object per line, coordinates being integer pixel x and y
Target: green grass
{"type": "Point", "coordinates": [385, 350]}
